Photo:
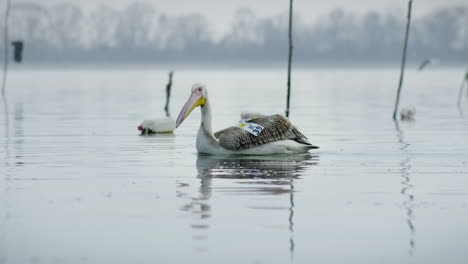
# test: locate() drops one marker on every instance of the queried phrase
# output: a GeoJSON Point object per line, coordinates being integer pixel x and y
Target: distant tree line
{"type": "Point", "coordinates": [139, 33]}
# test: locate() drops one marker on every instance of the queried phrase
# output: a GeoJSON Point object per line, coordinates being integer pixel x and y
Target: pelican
{"type": "Point", "coordinates": [163, 124]}
{"type": "Point", "coordinates": [157, 125]}
{"type": "Point", "coordinates": [277, 135]}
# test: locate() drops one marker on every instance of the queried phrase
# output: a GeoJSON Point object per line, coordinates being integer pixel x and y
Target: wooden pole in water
{"type": "Point", "coordinates": [168, 93]}
{"type": "Point", "coordinates": [460, 93]}
{"type": "Point", "coordinates": [464, 81]}
{"type": "Point", "coordinates": [289, 58]}
{"type": "Point", "coordinates": [5, 64]}
{"type": "Point", "coordinates": [403, 59]}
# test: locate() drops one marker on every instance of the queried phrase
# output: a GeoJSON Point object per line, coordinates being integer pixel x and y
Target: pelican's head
{"type": "Point", "coordinates": [197, 98]}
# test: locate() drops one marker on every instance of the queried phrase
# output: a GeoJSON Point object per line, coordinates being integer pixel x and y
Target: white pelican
{"type": "Point", "coordinates": [157, 125]}
{"type": "Point", "coordinates": [163, 124]}
{"type": "Point", "coordinates": [277, 135]}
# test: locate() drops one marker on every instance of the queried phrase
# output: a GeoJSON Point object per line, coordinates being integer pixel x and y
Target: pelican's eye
{"type": "Point", "coordinates": [199, 89]}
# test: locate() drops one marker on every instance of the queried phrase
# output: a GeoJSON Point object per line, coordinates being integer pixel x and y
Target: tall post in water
{"type": "Point", "coordinates": [403, 59]}
{"type": "Point", "coordinates": [289, 58]}
{"type": "Point", "coordinates": [6, 44]}
{"type": "Point", "coordinates": [464, 81]}
{"type": "Point", "coordinates": [168, 93]}
{"type": "Point", "coordinates": [460, 93]}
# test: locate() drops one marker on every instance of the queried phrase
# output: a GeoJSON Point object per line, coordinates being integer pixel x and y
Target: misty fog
{"type": "Point", "coordinates": [140, 33]}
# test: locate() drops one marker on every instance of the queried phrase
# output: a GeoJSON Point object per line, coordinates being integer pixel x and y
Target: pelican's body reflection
{"type": "Point", "coordinates": [254, 175]}
{"type": "Point", "coordinates": [253, 167]}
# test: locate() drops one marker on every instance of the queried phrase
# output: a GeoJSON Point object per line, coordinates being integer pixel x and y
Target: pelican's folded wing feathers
{"type": "Point", "coordinates": [218, 134]}
{"type": "Point", "coordinates": [276, 128]}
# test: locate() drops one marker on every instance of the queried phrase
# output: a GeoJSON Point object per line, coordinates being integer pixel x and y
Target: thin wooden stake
{"type": "Point", "coordinates": [5, 64]}
{"type": "Point", "coordinates": [288, 96]}
{"type": "Point", "coordinates": [461, 92]}
{"type": "Point", "coordinates": [168, 93]}
{"type": "Point", "coordinates": [464, 81]}
{"type": "Point", "coordinates": [403, 60]}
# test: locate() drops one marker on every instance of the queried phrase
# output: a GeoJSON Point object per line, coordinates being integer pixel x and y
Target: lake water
{"type": "Point", "coordinates": [79, 185]}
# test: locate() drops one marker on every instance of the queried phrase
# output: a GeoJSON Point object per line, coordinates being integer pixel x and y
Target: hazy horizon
{"type": "Point", "coordinates": [219, 13]}
{"type": "Point", "coordinates": [67, 33]}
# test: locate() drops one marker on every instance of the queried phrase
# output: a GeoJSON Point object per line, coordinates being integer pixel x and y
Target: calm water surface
{"type": "Point", "coordinates": [79, 185]}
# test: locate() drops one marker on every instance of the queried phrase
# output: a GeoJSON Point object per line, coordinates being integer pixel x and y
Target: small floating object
{"type": "Point", "coordinates": [407, 113]}
{"type": "Point", "coordinates": [18, 50]}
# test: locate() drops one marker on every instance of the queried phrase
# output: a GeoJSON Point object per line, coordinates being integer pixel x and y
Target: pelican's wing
{"type": "Point", "coordinates": [275, 128]}
{"type": "Point", "coordinates": [217, 134]}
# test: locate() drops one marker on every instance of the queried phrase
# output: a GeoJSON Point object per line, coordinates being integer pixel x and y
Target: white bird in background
{"type": "Point", "coordinates": [255, 134]}
{"type": "Point", "coordinates": [163, 124]}
{"type": "Point", "coordinates": [407, 113]}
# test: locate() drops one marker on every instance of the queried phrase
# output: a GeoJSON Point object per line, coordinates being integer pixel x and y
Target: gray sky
{"type": "Point", "coordinates": [219, 12]}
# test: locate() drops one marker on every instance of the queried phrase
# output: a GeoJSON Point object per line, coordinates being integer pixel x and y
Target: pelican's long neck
{"type": "Point", "coordinates": [206, 117]}
{"type": "Point", "coordinates": [206, 141]}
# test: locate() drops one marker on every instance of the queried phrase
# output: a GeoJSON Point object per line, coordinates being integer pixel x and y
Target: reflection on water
{"type": "Point", "coordinates": [405, 167]}
{"type": "Point", "coordinates": [460, 111]}
{"type": "Point", "coordinates": [274, 169]}
{"type": "Point", "coordinates": [19, 133]}
{"type": "Point", "coordinates": [79, 129]}
{"type": "Point", "coordinates": [5, 216]}
{"type": "Point", "coordinates": [267, 175]}
{"type": "Point", "coordinates": [6, 121]}
{"type": "Point", "coordinates": [162, 137]}
{"type": "Point", "coordinates": [199, 210]}
{"type": "Point", "coordinates": [291, 218]}
{"type": "Point", "coordinates": [253, 175]}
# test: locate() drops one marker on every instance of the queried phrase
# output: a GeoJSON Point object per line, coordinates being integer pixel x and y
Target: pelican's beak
{"type": "Point", "coordinates": [196, 99]}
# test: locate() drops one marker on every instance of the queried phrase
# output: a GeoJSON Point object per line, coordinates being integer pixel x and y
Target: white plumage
{"type": "Point", "coordinates": [163, 124]}
{"type": "Point", "coordinates": [277, 136]}
{"type": "Point", "coordinates": [159, 125]}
